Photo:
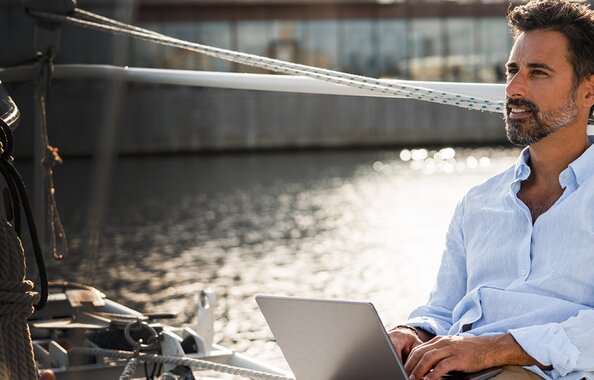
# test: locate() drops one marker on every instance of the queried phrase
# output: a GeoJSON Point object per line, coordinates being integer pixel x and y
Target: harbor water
{"type": "Point", "coordinates": [350, 224]}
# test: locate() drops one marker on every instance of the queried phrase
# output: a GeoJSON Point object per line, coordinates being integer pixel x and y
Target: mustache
{"type": "Point", "coordinates": [522, 102]}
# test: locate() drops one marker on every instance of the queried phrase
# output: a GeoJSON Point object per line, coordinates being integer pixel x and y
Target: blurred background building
{"type": "Point", "coordinates": [417, 40]}
{"type": "Point", "coordinates": [407, 39]}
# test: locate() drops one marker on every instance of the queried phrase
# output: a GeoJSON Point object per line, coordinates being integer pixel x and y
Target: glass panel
{"type": "Point", "coordinates": [320, 46]}
{"type": "Point", "coordinates": [287, 41]}
{"type": "Point", "coordinates": [147, 54]}
{"type": "Point", "coordinates": [392, 48]}
{"type": "Point", "coordinates": [252, 38]}
{"type": "Point", "coordinates": [426, 48]}
{"type": "Point", "coordinates": [173, 58]}
{"type": "Point", "coordinates": [357, 42]}
{"type": "Point", "coordinates": [461, 62]}
{"type": "Point", "coordinates": [494, 45]}
{"type": "Point", "coordinates": [217, 34]}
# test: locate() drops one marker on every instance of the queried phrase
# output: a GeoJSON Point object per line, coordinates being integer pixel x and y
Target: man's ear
{"type": "Point", "coordinates": [590, 90]}
{"type": "Point", "coordinates": [590, 96]}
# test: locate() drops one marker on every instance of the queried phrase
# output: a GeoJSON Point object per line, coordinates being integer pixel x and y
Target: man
{"type": "Point", "coordinates": [516, 284]}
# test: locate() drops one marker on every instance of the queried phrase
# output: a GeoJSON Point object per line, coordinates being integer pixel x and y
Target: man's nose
{"type": "Point", "coordinates": [516, 86]}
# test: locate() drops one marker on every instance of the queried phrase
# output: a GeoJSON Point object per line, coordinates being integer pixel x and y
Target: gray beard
{"type": "Point", "coordinates": [541, 124]}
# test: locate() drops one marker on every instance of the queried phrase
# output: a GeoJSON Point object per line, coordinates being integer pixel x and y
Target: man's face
{"type": "Point", "coordinates": [539, 93]}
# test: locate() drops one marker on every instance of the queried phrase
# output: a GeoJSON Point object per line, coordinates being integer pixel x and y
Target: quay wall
{"type": "Point", "coordinates": [174, 119]}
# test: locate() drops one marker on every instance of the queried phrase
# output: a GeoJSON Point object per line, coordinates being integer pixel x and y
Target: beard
{"type": "Point", "coordinates": [532, 129]}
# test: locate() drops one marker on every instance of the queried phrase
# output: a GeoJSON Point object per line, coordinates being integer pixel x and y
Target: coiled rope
{"type": "Point", "coordinates": [93, 21]}
{"type": "Point", "coordinates": [179, 361]}
{"type": "Point", "coordinates": [17, 294]}
{"type": "Point", "coordinates": [19, 197]}
{"type": "Point", "coordinates": [16, 298]}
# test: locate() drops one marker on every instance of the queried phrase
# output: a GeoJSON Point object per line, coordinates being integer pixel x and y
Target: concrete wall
{"type": "Point", "coordinates": [169, 119]}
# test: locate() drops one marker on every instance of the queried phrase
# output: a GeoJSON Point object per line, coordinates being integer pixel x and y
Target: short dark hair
{"type": "Point", "coordinates": [574, 21]}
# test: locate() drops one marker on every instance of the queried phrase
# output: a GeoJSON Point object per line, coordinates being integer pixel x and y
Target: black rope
{"type": "Point", "coordinates": [18, 193]}
{"type": "Point", "coordinates": [16, 206]}
{"type": "Point", "coordinates": [6, 141]}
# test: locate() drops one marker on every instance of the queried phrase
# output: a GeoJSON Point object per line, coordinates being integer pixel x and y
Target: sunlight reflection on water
{"type": "Point", "coordinates": [341, 224]}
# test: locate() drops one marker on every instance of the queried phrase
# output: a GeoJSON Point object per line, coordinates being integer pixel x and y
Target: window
{"type": "Point", "coordinates": [321, 44]}
{"type": "Point", "coordinates": [494, 45]}
{"type": "Point", "coordinates": [358, 53]}
{"type": "Point", "coordinates": [252, 38]}
{"type": "Point", "coordinates": [426, 47]}
{"type": "Point", "coordinates": [216, 34]}
{"type": "Point", "coordinates": [392, 50]}
{"type": "Point", "coordinates": [461, 62]}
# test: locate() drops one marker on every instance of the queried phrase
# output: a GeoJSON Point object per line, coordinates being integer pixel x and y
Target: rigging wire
{"type": "Point", "coordinates": [97, 22]}
{"type": "Point", "coordinates": [58, 240]}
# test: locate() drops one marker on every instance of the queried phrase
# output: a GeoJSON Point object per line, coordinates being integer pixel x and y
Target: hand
{"type": "Point", "coordinates": [404, 340]}
{"type": "Point", "coordinates": [443, 354]}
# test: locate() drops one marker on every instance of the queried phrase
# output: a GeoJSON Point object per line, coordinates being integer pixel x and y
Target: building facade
{"type": "Point", "coordinates": [416, 40]}
{"type": "Point", "coordinates": [462, 40]}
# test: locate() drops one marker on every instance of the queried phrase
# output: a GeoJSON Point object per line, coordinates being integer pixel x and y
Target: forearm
{"type": "Point", "coordinates": [511, 353]}
{"type": "Point", "coordinates": [444, 354]}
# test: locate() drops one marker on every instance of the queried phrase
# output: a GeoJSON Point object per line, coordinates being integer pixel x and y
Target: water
{"type": "Point", "coordinates": [341, 224]}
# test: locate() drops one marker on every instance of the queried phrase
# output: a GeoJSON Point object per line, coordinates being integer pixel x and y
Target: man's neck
{"type": "Point", "coordinates": [548, 158]}
{"type": "Point", "coordinates": [551, 155]}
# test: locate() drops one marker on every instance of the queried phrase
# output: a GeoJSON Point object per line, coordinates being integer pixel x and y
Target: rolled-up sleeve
{"type": "Point", "coordinates": [567, 346]}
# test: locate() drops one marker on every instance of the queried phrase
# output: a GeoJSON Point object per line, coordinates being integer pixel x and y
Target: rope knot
{"type": "Point", "coordinates": [52, 158]}
{"type": "Point", "coordinates": [17, 299]}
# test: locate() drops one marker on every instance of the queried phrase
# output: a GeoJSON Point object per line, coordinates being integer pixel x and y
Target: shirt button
{"type": "Point", "coordinates": [523, 272]}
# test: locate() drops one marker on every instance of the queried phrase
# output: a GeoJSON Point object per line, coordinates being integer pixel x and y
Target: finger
{"type": "Point", "coordinates": [400, 349]}
{"type": "Point", "coordinates": [427, 362]}
{"type": "Point", "coordinates": [441, 369]}
{"type": "Point", "coordinates": [402, 343]}
{"type": "Point", "coordinates": [418, 351]}
{"type": "Point", "coordinates": [416, 354]}
{"type": "Point", "coordinates": [396, 343]}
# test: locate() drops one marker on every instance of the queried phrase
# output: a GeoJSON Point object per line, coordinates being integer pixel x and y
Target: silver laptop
{"type": "Point", "coordinates": [336, 340]}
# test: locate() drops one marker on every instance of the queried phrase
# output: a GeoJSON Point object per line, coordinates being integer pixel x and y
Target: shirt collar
{"type": "Point", "coordinates": [578, 171]}
{"type": "Point", "coordinates": [522, 170]}
{"type": "Point", "coordinates": [583, 167]}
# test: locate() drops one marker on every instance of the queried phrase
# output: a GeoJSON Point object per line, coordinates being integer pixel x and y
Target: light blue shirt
{"type": "Point", "coordinates": [502, 273]}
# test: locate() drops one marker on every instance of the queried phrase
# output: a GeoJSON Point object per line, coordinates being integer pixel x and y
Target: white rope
{"type": "Point", "coordinates": [180, 361]}
{"type": "Point", "coordinates": [336, 77]}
